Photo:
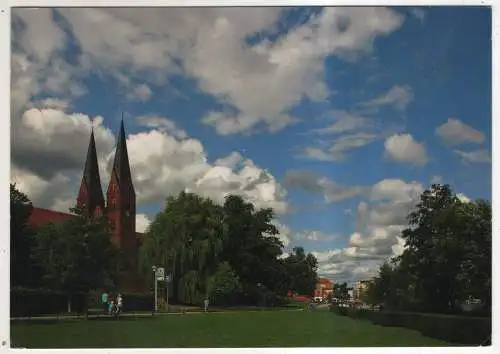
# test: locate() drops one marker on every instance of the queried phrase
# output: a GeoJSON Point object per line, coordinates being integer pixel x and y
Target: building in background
{"type": "Point", "coordinates": [359, 288]}
{"type": "Point", "coordinates": [324, 288]}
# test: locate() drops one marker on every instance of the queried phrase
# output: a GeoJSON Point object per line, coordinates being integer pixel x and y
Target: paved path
{"type": "Point", "coordinates": [139, 314]}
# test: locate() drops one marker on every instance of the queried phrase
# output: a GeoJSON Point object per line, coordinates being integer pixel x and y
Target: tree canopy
{"type": "Point", "coordinates": [75, 255]}
{"type": "Point", "coordinates": [21, 239]}
{"type": "Point", "coordinates": [228, 252]}
{"type": "Point", "coordinates": [447, 256]}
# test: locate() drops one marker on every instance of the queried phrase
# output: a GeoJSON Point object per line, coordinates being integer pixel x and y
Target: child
{"type": "Point", "coordinates": [111, 306]}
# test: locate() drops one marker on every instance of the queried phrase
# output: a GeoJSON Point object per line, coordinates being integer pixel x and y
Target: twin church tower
{"type": "Point", "coordinates": [120, 202]}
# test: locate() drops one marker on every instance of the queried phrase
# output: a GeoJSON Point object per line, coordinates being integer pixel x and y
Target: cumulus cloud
{"type": "Point", "coordinates": [310, 182]}
{"type": "Point", "coordinates": [162, 124]}
{"type": "Point", "coordinates": [403, 148]}
{"type": "Point", "coordinates": [314, 235]}
{"type": "Point", "coordinates": [142, 222]}
{"type": "Point", "coordinates": [338, 148]}
{"type": "Point", "coordinates": [475, 156]}
{"type": "Point", "coordinates": [141, 92]}
{"type": "Point", "coordinates": [260, 82]}
{"type": "Point", "coordinates": [379, 222]}
{"type": "Point", "coordinates": [163, 163]}
{"type": "Point", "coordinates": [398, 97]}
{"type": "Point", "coordinates": [344, 121]}
{"type": "Point", "coordinates": [455, 132]}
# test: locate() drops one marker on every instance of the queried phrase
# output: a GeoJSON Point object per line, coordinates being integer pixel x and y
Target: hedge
{"type": "Point", "coordinates": [460, 330]}
{"type": "Point", "coordinates": [37, 302]}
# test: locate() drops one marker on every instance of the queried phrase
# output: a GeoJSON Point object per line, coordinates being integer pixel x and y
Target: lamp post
{"type": "Point", "coordinates": [156, 287]}
{"type": "Point", "coordinates": [259, 286]}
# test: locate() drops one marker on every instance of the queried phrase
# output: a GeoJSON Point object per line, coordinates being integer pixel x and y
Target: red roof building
{"type": "Point", "coordinates": [40, 216]}
{"type": "Point", "coordinates": [324, 288]}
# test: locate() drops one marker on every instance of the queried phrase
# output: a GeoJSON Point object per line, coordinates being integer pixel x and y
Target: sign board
{"type": "Point", "coordinates": [167, 278]}
{"type": "Point", "coordinates": [160, 273]}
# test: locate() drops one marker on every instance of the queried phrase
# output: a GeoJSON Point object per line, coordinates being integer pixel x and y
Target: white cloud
{"type": "Point", "coordinates": [344, 121]}
{"type": "Point", "coordinates": [162, 124]}
{"type": "Point", "coordinates": [398, 97]}
{"type": "Point", "coordinates": [162, 163]}
{"type": "Point", "coordinates": [310, 182]}
{"type": "Point", "coordinates": [455, 132]}
{"type": "Point", "coordinates": [314, 235]}
{"type": "Point", "coordinates": [142, 222]}
{"type": "Point", "coordinates": [418, 12]}
{"type": "Point", "coordinates": [258, 84]}
{"type": "Point", "coordinates": [339, 147]}
{"type": "Point", "coordinates": [379, 223]}
{"type": "Point", "coordinates": [476, 156]}
{"type": "Point", "coordinates": [141, 92]}
{"type": "Point", "coordinates": [403, 148]}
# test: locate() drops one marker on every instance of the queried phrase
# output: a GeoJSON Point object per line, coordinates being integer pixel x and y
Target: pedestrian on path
{"type": "Point", "coordinates": [206, 304]}
{"type": "Point", "coordinates": [119, 301]}
{"type": "Point", "coordinates": [104, 301]}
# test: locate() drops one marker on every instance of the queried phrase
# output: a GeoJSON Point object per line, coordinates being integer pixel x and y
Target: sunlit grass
{"type": "Point", "coordinates": [242, 329]}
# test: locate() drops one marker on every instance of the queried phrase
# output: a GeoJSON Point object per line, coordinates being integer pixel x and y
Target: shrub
{"type": "Point", "coordinates": [464, 330]}
{"type": "Point", "coordinates": [35, 302]}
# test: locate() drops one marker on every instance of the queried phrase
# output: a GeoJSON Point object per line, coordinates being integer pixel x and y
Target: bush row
{"type": "Point", "coordinates": [460, 330]}
{"type": "Point", "coordinates": [37, 302]}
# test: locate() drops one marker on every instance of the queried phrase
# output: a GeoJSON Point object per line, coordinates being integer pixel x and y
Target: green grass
{"type": "Point", "coordinates": [243, 329]}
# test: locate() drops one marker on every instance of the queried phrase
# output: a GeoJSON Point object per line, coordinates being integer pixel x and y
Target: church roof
{"type": "Point", "coordinates": [40, 216]}
{"type": "Point", "coordinates": [121, 164]}
{"type": "Point", "coordinates": [92, 177]}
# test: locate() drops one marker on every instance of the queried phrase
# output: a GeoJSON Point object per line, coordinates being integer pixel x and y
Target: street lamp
{"type": "Point", "coordinates": [259, 286]}
{"type": "Point", "coordinates": [154, 268]}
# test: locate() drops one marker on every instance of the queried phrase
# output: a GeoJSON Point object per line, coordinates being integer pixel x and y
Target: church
{"type": "Point", "coordinates": [119, 205]}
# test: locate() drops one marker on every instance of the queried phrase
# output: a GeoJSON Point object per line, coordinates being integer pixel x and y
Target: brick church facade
{"type": "Point", "coordinates": [119, 205]}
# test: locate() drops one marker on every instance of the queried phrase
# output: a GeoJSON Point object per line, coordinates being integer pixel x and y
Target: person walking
{"type": "Point", "coordinates": [104, 301]}
{"type": "Point", "coordinates": [206, 304]}
{"type": "Point", "coordinates": [111, 306]}
{"type": "Point", "coordinates": [119, 301]}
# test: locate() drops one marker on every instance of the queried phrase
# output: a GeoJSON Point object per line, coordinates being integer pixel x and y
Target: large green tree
{"type": "Point", "coordinates": [222, 285]}
{"type": "Point", "coordinates": [187, 239]}
{"type": "Point", "coordinates": [76, 255]}
{"type": "Point", "coordinates": [21, 240]}
{"type": "Point", "coordinates": [447, 257]}
{"type": "Point", "coordinates": [302, 270]}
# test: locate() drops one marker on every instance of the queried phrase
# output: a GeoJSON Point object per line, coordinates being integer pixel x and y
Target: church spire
{"type": "Point", "coordinates": [121, 165]}
{"type": "Point", "coordinates": [91, 195]}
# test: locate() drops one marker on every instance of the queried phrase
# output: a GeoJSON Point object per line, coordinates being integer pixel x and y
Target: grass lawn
{"type": "Point", "coordinates": [242, 329]}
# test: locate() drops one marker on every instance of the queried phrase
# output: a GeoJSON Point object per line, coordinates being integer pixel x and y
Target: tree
{"type": "Point", "coordinates": [340, 291]}
{"type": "Point", "coordinates": [213, 249]}
{"type": "Point", "coordinates": [186, 238]}
{"type": "Point", "coordinates": [76, 255]}
{"type": "Point", "coordinates": [21, 240]}
{"type": "Point", "coordinates": [302, 270]}
{"type": "Point", "coordinates": [223, 284]}
{"type": "Point", "coordinates": [252, 248]}
{"type": "Point", "coordinates": [447, 257]}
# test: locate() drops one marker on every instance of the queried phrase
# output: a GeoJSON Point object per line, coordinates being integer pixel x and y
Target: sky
{"type": "Point", "coordinates": [337, 118]}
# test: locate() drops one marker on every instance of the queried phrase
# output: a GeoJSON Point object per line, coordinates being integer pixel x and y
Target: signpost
{"type": "Point", "coordinates": [158, 274]}
{"type": "Point", "coordinates": [168, 277]}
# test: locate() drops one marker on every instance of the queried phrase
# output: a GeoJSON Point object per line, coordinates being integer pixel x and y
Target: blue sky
{"type": "Point", "coordinates": [339, 117]}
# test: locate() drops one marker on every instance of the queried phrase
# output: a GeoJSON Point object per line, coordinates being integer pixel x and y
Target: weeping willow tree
{"type": "Point", "coordinates": [187, 239]}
